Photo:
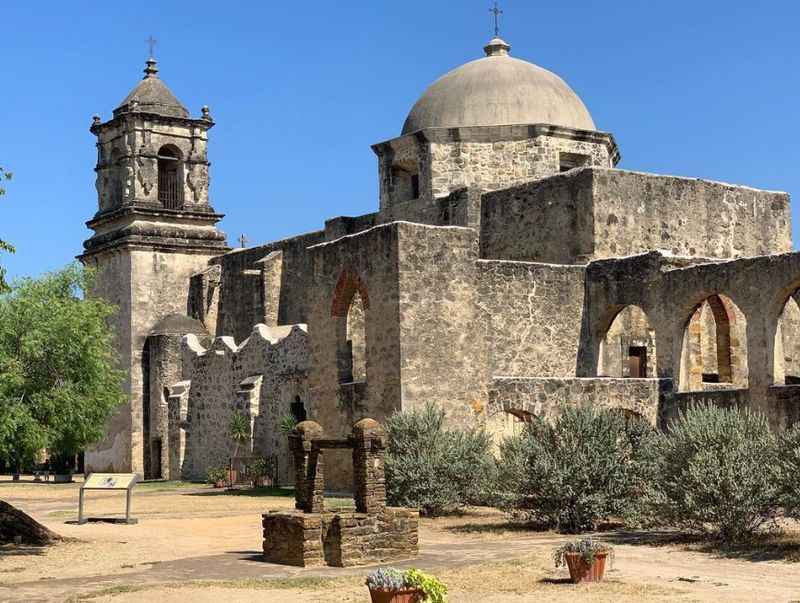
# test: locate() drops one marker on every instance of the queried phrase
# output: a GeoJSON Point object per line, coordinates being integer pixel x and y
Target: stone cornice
{"type": "Point", "coordinates": [152, 211]}
{"type": "Point", "coordinates": [118, 118]}
{"type": "Point", "coordinates": [504, 134]}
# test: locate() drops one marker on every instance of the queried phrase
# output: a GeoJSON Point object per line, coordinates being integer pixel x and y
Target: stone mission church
{"type": "Point", "coordinates": [510, 268]}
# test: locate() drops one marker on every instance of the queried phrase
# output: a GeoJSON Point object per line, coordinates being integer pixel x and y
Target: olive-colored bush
{"type": "Point", "coordinates": [719, 473]}
{"type": "Point", "coordinates": [434, 467]}
{"type": "Point", "coordinates": [587, 465]}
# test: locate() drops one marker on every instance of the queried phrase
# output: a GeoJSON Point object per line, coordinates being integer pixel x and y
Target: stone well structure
{"type": "Point", "coordinates": [313, 536]}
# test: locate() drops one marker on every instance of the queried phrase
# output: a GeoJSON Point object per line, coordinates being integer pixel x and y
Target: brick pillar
{"type": "Point", "coordinates": [309, 481]}
{"type": "Point", "coordinates": [369, 481]}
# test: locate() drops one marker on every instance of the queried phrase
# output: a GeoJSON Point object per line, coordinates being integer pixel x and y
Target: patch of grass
{"type": "Point", "coordinates": [167, 486]}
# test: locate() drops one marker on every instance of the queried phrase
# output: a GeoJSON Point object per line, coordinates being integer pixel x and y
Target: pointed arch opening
{"type": "Point", "coordinates": [170, 177]}
{"type": "Point", "coordinates": [628, 349]}
{"type": "Point", "coordinates": [349, 308]}
{"type": "Point", "coordinates": [714, 351]}
{"type": "Point", "coordinates": [786, 358]}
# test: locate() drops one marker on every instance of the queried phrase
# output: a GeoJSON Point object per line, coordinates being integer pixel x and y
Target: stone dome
{"type": "Point", "coordinates": [498, 90]}
{"type": "Point", "coordinates": [151, 95]}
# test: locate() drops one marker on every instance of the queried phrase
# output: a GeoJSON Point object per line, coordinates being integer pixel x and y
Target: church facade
{"type": "Point", "coordinates": [510, 268]}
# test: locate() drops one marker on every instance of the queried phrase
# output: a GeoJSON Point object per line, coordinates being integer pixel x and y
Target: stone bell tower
{"type": "Point", "coordinates": [153, 229]}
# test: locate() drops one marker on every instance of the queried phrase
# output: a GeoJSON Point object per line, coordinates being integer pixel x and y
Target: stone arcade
{"type": "Point", "coordinates": [509, 268]}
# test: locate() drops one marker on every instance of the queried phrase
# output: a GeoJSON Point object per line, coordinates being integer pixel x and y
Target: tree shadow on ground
{"type": "Point", "coordinates": [764, 547]}
{"type": "Point", "coordinates": [21, 550]}
{"type": "Point", "coordinates": [499, 528]}
{"type": "Point", "coordinates": [257, 492]}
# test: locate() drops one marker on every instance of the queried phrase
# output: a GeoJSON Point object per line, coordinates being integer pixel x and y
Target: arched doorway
{"type": "Point", "coordinates": [786, 369]}
{"type": "Point", "coordinates": [170, 177]}
{"type": "Point", "coordinates": [628, 348]}
{"type": "Point", "coordinates": [714, 351]}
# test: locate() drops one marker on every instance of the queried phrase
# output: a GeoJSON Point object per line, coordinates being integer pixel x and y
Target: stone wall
{"type": "Point", "coordinates": [259, 288]}
{"type": "Point", "coordinates": [530, 318]}
{"type": "Point", "coordinates": [485, 158]}
{"type": "Point", "coordinates": [545, 397]}
{"type": "Point", "coordinates": [261, 378]}
{"type": "Point", "coordinates": [593, 213]}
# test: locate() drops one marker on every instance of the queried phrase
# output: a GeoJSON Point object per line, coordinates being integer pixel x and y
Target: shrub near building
{"type": "Point", "coordinates": [435, 468]}
{"type": "Point", "coordinates": [720, 473]}
{"type": "Point", "coordinates": [585, 466]}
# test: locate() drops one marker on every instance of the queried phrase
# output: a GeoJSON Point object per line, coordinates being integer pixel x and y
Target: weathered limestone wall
{"type": "Point", "coordinates": [545, 396]}
{"type": "Point", "coordinates": [365, 264]}
{"type": "Point", "coordinates": [484, 157]}
{"type": "Point", "coordinates": [147, 285]}
{"type": "Point", "coordinates": [529, 318]}
{"type": "Point", "coordinates": [261, 378]}
{"type": "Point", "coordinates": [441, 356]}
{"type": "Point", "coordinates": [629, 329]}
{"type": "Point", "coordinates": [258, 287]}
{"type": "Point", "coordinates": [594, 213]}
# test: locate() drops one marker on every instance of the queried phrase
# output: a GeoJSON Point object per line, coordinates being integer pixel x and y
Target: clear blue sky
{"type": "Point", "coordinates": [299, 90]}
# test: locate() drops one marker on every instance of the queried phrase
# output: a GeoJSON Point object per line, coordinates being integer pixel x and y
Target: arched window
{"type": "Point", "coordinates": [349, 307]}
{"type": "Point", "coordinates": [786, 370]}
{"type": "Point", "coordinates": [714, 354]}
{"type": "Point", "coordinates": [170, 177]}
{"type": "Point", "coordinates": [629, 346]}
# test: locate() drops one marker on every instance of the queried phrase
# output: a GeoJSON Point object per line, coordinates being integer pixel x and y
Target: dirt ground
{"type": "Point", "coordinates": [193, 543]}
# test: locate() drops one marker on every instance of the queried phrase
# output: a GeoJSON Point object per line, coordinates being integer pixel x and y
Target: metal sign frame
{"type": "Point", "coordinates": [109, 481]}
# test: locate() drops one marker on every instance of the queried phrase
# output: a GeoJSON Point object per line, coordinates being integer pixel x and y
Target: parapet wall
{"type": "Point", "coordinates": [594, 213]}
{"type": "Point", "coordinates": [261, 379]}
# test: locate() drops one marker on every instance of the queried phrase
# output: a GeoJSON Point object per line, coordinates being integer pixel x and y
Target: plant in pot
{"type": "Point", "coordinates": [62, 465]}
{"type": "Point", "coordinates": [389, 585]}
{"type": "Point", "coordinates": [260, 470]}
{"type": "Point", "coordinates": [586, 559]}
{"type": "Point", "coordinates": [216, 476]}
{"type": "Point", "coordinates": [239, 431]}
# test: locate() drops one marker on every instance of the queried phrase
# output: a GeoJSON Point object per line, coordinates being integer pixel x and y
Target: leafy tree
{"type": "Point", "coordinates": [586, 465]}
{"type": "Point", "coordinates": [4, 246]}
{"type": "Point", "coordinates": [60, 382]}
{"type": "Point", "coordinates": [435, 468]}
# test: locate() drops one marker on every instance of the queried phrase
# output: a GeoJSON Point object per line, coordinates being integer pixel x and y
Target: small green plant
{"type": "Point", "coordinates": [259, 467]}
{"type": "Point", "coordinates": [435, 590]}
{"type": "Point", "coordinates": [391, 579]}
{"type": "Point", "coordinates": [216, 474]}
{"type": "Point", "coordinates": [287, 423]}
{"type": "Point", "coordinates": [239, 430]}
{"type": "Point", "coordinates": [587, 548]}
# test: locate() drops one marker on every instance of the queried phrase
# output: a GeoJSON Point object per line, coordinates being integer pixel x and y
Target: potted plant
{"type": "Point", "coordinates": [216, 476]}
{"type": "Point", "coordinates": [259, 469]}
{"type": "Point", "coordinates": [239, 431]}
{"type": "Point", "coordinates": [389, 585]}
{"type": "Point", "coordinates": [62, 465]}
{"type": "Point", "coordinates": [586, 559]}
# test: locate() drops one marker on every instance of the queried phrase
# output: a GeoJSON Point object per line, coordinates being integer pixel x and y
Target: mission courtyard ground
{"type": "Point", "coordinates": [196, 543]}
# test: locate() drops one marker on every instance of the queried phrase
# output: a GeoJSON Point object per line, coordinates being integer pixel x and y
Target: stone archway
{"type": "Point", "coordinates": [628, 348]}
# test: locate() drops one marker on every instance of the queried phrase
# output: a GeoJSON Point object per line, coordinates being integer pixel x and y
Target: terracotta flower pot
{"type": "Point", "coordinates": [220, 483]}
{"type": "Point", "coordinates": [580, 571]}
{"type": "Point", "coordinates": [407, 595]}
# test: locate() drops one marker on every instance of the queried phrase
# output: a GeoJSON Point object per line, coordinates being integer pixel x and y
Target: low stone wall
{"type": "Point", "coordinates": [544, 396]}
{"type": "Point", "coordinates": [343, 539]}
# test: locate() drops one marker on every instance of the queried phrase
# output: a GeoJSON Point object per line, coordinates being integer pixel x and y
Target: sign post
{"type": "Point", "coordinates": [109, 481]}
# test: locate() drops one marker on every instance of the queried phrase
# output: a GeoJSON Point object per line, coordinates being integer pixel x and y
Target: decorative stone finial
{"type": "Point", "coordinates": [204, 110]}
{"type": "Point", "coordinates": [151, 70]}
{"type": "Point", "coordinates": [497, 47]}
{"type": "Point", "coordinates": [95, 120]}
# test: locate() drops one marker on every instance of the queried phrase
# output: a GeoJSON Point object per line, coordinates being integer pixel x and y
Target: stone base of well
{"type": "Point", "coordinates": [342, 539]}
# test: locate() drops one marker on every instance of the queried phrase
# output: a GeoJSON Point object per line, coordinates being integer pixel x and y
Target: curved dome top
{"type": "Point", "coordinates": [498, 90]}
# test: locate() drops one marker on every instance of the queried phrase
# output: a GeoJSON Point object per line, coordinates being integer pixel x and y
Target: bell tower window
{"type": "Point", "coordinates": [170, 180]}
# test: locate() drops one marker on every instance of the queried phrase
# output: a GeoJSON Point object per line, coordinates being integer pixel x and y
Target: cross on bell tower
{"type": "Point", "coordinates": [151, 44]}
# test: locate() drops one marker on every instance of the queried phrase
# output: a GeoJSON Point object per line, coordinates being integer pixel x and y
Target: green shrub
{"type": "Point", "coordinates": [435, 468]}
{"type": "Point", "coordinates": [720, 473]}
{"type": "Point", "coordinates": [587, 465]}
{"type": "Point", "coordinates": [216, 474]}
{"type": "Point", "coordinates": [789, 464]}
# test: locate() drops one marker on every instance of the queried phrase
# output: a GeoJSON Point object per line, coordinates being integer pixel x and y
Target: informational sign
{"type": "Point", "coordinates": [109, 481]}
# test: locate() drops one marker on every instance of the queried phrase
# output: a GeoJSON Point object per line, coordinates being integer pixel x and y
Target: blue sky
{"type": "Point", "coordinates": [300, 90]}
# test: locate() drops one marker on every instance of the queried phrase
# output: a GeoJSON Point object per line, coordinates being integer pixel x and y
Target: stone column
{"type": "Point", "coordinates": [369, 481]}
{"type": "Point", "coordinates": [309, 478]}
